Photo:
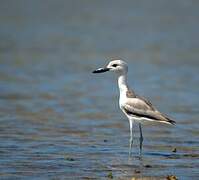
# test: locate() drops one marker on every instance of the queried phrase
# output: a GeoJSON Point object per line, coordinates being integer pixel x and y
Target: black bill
{"type": "Point", "coordinates": [101, 70]}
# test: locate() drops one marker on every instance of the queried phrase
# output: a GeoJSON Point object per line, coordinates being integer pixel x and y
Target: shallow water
{"type": "Point", "coordinates": [59, 121]}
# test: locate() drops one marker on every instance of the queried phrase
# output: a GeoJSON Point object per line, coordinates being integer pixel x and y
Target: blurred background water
{"type": "Point", "coordinates": [59, 121]}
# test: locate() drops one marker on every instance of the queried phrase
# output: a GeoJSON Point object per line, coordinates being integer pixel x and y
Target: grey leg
{"type": "Point", "coordinates": [131, 137]}
{"type": "Point", "coordinates": [141, 139]}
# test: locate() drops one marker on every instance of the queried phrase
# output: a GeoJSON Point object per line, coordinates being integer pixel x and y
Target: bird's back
{"type": "Point", "coordinates": [139, 107]}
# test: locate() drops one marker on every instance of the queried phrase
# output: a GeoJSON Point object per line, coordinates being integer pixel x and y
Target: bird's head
{"type": "Point", "coordinates": [118, 66]}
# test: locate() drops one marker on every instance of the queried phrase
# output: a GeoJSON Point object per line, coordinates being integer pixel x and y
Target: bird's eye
{"type": "Point", "coordinates": [114, 65]}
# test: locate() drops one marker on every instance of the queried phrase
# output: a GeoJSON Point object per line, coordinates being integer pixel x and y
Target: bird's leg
{"type": "Point", "coordinates": [141, 139]}
{"type": "Point", "coordinates": [131, 137]}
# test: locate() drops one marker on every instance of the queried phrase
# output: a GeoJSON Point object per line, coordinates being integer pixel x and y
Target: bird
{"type": "Point", "coordinates": [138, 109]}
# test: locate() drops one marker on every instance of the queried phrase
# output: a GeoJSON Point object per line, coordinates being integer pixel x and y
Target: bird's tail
{"type": "Point", "coordinates": [170, 121]}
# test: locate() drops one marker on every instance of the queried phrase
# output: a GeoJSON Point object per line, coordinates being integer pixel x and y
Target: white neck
{"type": "Point", "coordinates": [122, 83]}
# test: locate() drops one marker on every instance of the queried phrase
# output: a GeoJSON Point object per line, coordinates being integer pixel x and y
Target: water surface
{"type": "Point", "coordinates": [59, 121]}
